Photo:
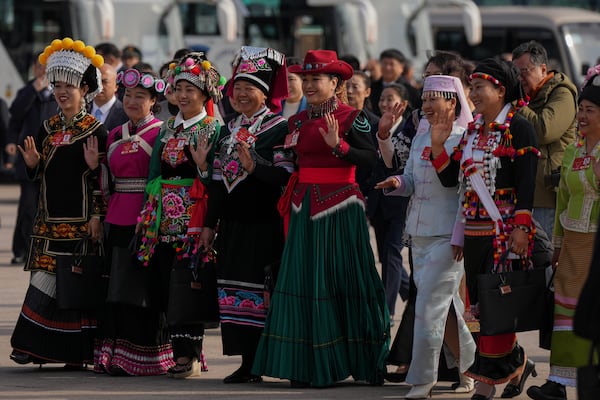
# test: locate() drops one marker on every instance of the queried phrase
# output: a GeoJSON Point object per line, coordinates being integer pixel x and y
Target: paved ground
{"type": "Point", "coordinates": [53, 383]}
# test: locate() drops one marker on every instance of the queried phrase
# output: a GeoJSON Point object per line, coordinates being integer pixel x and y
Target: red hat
{"type": "Point", "coordinates": [323, 62]}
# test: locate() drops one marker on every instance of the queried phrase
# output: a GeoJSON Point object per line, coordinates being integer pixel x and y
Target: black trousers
{"type": "Point", "coordinates": [28, 205]}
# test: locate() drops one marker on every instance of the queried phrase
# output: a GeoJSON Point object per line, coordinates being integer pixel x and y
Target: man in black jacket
{"type": "Point", "coordinates": [392, 63]}
{"type": "Point", "coordinates": [33, 104]}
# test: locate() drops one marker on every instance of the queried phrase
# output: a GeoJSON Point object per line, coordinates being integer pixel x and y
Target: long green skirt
{"type": "Point", "coordinates": [328, 318]}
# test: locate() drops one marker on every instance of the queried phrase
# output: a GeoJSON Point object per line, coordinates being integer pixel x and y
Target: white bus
{"type": "Point", "coordinates": [27, 26]}
{"type": "Point", "coordinates": [570, 35]}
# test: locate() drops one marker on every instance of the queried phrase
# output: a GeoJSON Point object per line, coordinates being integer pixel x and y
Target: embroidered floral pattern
{"type": "Point", "coordinates": [173, 206]}
{"type": "Point", "coordinates": [176, 210]}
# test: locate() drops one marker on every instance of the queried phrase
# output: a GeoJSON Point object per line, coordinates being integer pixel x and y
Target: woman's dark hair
{"type": "Point", "coordinates": [400, 89]}
{"type": "Point", "coordinates": [452, 64]}
{"type": "Point", "coordinates": [90, 78]}
{"type": "Point", "coordinates": [367, 82]}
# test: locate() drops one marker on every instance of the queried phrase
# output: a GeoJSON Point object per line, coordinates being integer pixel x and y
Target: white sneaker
{"type": "Point", "coordinates": [466, 385]}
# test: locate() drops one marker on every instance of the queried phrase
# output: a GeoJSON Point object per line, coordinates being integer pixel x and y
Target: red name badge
{"type": "Point", "coordinates": [581, 163]}
{"type": "Point", "coordinates": [129, 147]}
{"type": "Point", "coordinates": [291, 140]}
{"type": "Point", "coordinates": [175, 144]}
{"type": "Point", "coordinates": [244, 135]}
{"type": "Point", "coordinates": [61, 139]}
{"type": "Point", "coordinates": [425, 155]}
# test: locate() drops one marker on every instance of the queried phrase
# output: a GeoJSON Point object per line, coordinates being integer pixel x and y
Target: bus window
{"type": "Point", "coordinates": [27, 26]}
{"type": "Point", "coordinates": [199, 19]}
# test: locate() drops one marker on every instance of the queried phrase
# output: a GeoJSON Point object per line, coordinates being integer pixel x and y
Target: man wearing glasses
{"type": "Point", "coordinates": [552, 108]}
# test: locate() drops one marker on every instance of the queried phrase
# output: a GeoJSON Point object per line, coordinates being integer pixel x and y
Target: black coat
{"type": "Point", "coordinates": [27, 112]}
{"type": "Point", "coordinates": [116, 116]}
{"type": "Point", "coordinates": [587, 314]}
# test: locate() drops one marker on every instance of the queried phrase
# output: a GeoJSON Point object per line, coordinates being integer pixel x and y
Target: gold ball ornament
{"type": "Point", "coordinates": [67, 43]}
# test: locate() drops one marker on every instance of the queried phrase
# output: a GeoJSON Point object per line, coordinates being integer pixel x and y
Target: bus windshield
{"type": "Point", "coordinates": [582, 40]}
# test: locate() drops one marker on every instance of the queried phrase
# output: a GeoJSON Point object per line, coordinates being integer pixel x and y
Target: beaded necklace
{"type": "Point", "coordinates": [319, 110]}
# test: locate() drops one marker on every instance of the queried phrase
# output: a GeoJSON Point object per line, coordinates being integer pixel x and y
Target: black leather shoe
{"type": "Point", "coordinates": [548, 391]}
{"type": "Point", "coordinates": [17, 260]}
{"type": "Point", "coordinates": [242, 377]}
{"type": "Point", "coordinates": [511, 390]}
{"type": "Point", "coordinates": [20, 358]}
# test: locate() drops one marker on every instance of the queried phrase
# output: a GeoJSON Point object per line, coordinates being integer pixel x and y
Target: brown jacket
{"type": "Point", "coordinates": [552, 113]}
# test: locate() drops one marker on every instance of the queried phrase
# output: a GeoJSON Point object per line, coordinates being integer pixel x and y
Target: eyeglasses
{"type": "Point", "coordinates": [526, 71]}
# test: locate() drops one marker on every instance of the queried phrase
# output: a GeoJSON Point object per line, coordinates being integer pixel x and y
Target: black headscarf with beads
{"type": "Point", "coordinates": [505, 73]}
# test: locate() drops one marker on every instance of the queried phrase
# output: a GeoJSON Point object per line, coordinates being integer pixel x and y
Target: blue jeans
{"type": "Point", "coordinates": [545, 216]}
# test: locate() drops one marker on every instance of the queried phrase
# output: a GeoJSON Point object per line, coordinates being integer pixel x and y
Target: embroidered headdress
{"type": "Point", "coordinates": [265, 68]}
{"type": "Point", "coordinates": [196, 69]}
{"type": "Point", "coordinates": [132, 77]}
{"type": "Point", "coordinates": [73, 62]}
{"type": "Point", "coordinates": [448, 87]}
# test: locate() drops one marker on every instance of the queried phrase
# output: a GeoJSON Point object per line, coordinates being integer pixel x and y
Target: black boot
{"type": "Point", "coordinates": [548, 391]}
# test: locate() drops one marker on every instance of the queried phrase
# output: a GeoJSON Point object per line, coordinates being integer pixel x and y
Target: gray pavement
{"type": "Point", "coordinates": [52, 382]}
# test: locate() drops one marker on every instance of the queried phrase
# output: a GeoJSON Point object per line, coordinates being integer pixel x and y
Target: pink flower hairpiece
{"type": "Point", "coordinates": [591, 72]}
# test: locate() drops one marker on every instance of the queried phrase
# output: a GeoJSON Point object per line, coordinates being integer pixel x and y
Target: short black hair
{"type": "Point", "coordinates": [393, 53]}
{"type": "Point", "coordinates": [109, 49]}
{"type": "Point", "coordinates": [293, 61]}
{"type": "Point", "coordinates": [352, 60]}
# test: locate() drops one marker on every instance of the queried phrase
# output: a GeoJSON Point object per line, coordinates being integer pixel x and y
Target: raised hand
{"type": "Point", "coordinates": [388, 119]}
{"type": "Point", "coordinates": [331, 135]}
{"type": "Point", "coordinates": [90, 152]}
{"type": "Point", "coordinates": [441, 127]}
{"type": "Point", "coordinates": [30, 153]}
{"type": "Point", "coordinates": [200, 152]}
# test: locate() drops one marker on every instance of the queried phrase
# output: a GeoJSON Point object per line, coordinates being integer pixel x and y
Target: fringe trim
{"type": "Point", "coordinates": [343, 204]}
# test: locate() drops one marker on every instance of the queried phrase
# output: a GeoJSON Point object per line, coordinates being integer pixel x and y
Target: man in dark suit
{"type": "Point", "coordinates": [33, 104]}
{"type": "Point", "coordinates": [106, 107]}
{"type": "Point", "coordinates": [392, 63]}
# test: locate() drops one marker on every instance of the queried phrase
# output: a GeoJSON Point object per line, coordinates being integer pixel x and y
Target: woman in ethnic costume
{"type": "Point", "coordinates": [70, 207]}
{"type": "Point", "coordinates": [133, 340]}
{"type": "Point", "coordinates": [501, 144]}
{"type": "Point", "coordinates": [435, 243]}
{"type": "Point", "coordinates": [173, 215]}
{"type": "Point", "coordinates": [575, 225]}
{"type": "Point", "coordinates": [328, 318]}
{"type": "Point", "coordinates": [250, 170]}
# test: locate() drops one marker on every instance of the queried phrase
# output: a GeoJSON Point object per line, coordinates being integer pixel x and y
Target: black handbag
{"type": "Point", "coordinates": [588, 377]}
{"type": "Point", "coordinates": [81, 279]}
{"type": "Point", "coordinates": [547, 324]}
{"type": "Point", "coordinates": [193, 296]}
{"type": "Point", "coordinates": [129, 279]}
{"type": "Point", "coordinates": [511, 301]}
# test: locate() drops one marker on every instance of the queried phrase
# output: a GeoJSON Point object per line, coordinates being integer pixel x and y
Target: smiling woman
{"type": "Point", "coordinates": [173, 214]}
{"type": "Point", "coordinates": [251, 167]}
{"type": "Point", "coordinates": [133, 339]}
{"type": "Point", "coordinates": [70, 207]}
